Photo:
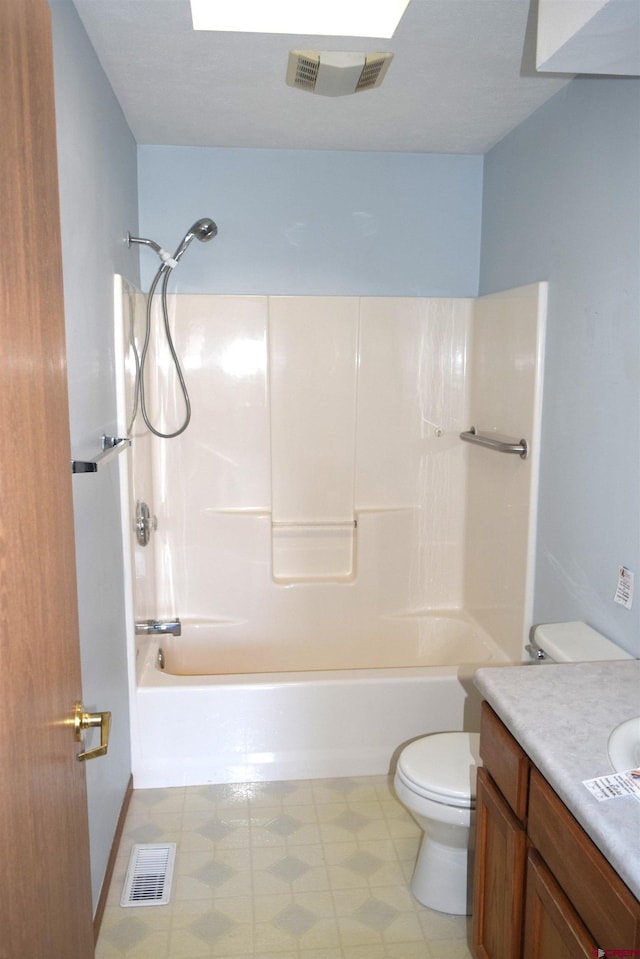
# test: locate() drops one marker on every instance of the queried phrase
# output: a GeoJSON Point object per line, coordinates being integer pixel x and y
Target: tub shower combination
{"type": "Point", "coordinates": [339, 561]}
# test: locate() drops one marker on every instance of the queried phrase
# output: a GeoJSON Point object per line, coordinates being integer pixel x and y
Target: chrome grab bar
{"type": "Point", "coordinates": [493, 443]}
{"type": "Point", "coordinates": [111, 446]}
{"type": "Point", "coordinates": [159, 627]}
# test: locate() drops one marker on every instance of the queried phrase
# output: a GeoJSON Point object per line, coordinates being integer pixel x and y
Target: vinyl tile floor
{"type": "Point", "coordinates": [312, 869]}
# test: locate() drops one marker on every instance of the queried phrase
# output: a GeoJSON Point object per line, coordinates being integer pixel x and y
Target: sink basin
{"type": "Point", "coordinates": [624, 746]}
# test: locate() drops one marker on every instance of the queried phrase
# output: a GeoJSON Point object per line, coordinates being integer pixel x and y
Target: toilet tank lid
{"type": "Point", "coordinates": [575, 642]}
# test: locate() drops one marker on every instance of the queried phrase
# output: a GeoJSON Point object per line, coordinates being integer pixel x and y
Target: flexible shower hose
{"type": "Point", "coordinates": [139, 389]}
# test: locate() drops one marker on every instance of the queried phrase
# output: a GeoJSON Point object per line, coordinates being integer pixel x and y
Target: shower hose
{"type": "Point", "coordinates": [164, 271]}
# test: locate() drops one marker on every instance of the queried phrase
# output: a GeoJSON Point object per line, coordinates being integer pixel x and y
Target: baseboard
{"type": "Point", "coordinates": [104, 892]}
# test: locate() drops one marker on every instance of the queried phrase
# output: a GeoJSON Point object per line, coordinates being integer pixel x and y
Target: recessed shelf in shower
{"type": "Point", "coordinates": [314, 551]}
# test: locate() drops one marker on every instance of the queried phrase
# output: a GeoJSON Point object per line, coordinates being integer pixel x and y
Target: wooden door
{"type": "Point", "coordinates": [552, 926]}
{"type": "Point", "coordinates": [498, 892]}
{"type": "Point", "coordinates": [45, 906]}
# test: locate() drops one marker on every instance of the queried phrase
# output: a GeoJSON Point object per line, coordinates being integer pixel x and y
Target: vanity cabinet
{"type": "Point", "coordinates": [542, 889]}
{"type": "Point", "coordinates": [500, 859]}
{"type": "Point", "coordinates": [552, 926]}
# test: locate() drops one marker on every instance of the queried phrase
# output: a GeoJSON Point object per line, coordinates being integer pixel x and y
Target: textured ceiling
{"type": "Point", "coordinates": [462, 77]}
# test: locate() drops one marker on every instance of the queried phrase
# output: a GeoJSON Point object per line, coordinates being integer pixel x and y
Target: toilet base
{"type": "Point", "coordinates": [440, 878]}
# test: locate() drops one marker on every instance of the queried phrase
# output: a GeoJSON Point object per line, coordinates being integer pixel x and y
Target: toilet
{"type": "Point", "coordinates": [436, 779]}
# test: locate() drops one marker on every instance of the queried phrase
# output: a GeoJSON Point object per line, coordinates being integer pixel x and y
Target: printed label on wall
{"type": "Point", "coordinates": [624, 589]}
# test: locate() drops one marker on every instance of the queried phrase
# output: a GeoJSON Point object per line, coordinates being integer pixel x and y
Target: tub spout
{"type": "Point", "coordinates": [152, 627]}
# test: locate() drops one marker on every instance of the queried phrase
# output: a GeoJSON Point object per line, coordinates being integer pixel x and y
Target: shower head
{"type": "Point", "coordinates": [203, 230]}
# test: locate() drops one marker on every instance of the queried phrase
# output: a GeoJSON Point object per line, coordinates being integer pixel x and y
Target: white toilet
{"type": "Point", "coordinates": [436, 779]}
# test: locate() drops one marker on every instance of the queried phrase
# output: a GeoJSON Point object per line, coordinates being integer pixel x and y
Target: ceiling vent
{"type": "Point", "coordinates": [336, 74]}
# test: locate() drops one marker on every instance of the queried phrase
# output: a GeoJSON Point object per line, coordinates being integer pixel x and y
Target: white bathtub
{"type": "Point", "coordinates": [317, 723]}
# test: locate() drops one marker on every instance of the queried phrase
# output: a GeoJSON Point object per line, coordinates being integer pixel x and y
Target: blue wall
{"type": "Point", "coordinates": [562, 203]}
{"type": "Point", "coordinates": [98, 202]}
{"type": "Point", "coordinates": [315, 222]}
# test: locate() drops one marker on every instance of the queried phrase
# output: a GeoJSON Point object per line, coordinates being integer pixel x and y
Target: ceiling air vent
{"type": "Point", "coordinates": [305, 72]}
{"type": "Point", "coordinates": [149, 875]}
{"type": "Point", "coordinates": [373, 71]}
{"type": "Point", "coordinates": [336, 74]}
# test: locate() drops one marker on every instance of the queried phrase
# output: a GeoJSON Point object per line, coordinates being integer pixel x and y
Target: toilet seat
{"type": "Point", "coordinates": [442, 767]}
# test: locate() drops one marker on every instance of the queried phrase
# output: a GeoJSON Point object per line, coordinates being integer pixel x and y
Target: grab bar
{"type": "Point", "coordinates": [159, 627]}
{"type": "Point", "coordinates": [493, 443]}
{"type": "Point", "coordinates": [111, 446]}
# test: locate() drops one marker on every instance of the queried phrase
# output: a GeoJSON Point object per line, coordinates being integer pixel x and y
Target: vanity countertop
{"type": "Point", "coordinates": [562, 715]}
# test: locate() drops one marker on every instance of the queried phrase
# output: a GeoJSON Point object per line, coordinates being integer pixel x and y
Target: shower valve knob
{"type": "Point", "coordinates": [146, 523]}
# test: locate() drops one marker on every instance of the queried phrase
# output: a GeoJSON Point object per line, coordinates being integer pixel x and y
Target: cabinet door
{"type": "Point", "coordinates": [552, 926]}
{"type": "Point", "coordinates": [498, 890]}
{"type": "Point", "coordinates": [596, 891]}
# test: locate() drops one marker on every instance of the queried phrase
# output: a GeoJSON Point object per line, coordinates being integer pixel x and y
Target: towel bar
{"type": "Point", "coordinates": [111, 446]}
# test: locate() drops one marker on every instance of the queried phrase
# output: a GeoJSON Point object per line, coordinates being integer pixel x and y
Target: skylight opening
{"type": "Point", "coordinates": [329, 18]}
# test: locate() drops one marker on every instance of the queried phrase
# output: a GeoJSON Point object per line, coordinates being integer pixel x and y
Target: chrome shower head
{"type": "Point", "coordinates": [203, 230]}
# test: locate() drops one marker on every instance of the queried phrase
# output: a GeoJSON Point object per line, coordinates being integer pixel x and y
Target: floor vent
{"type": "Point", "coordinates": [149, 875]}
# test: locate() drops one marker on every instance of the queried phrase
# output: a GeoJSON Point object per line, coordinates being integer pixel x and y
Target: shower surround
{"type": "Point", "coordinates": [320, 520]}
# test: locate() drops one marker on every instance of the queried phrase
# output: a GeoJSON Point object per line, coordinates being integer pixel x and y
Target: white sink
{"type": "Point", "coordinates": [624, 746]}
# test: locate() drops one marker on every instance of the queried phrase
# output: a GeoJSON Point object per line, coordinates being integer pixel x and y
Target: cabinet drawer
{"type": "Point", "coordinates": [506, 762]}
{"type": "Point", "coordinates": [605, 904]}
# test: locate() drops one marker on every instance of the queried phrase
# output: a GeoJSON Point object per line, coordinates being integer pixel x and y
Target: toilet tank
{"type": "Point", "coordinates": [573, 642]}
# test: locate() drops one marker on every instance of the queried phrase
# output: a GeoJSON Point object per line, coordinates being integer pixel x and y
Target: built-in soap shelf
{"type": "Point", "coordinates": [313, 550]}
{"type": "Point", "coordinates": [319, 524]}
{"type": "Point", "coordinates": [239, 511]}
{"type": "Point", "coordinates": [310, 551]}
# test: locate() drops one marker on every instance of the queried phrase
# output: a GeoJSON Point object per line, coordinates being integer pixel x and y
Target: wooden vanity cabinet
{"type": "Point", "coordinates": [542, 889]}
{"type": "Point", "coordinates": [500, 858]}
{"type": "Point", "coordinates": [500, 843]}
{"type": "Point", "coordinates": [552, 926]}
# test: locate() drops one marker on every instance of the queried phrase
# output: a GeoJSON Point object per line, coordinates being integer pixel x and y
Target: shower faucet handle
{"type": "Point", "coordinates": [145, 524]}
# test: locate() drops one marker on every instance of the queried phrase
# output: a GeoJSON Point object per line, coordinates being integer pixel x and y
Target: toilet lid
{"type": "Point", "coordinates": [442, 767]}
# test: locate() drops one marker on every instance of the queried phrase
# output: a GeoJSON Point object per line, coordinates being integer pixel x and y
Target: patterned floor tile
{"type": "Point", "coordinates": [362, 863]}
{"type": "Point", "coordinates": [321, 953]}
{"type": "Point", "coordinates": [283, 793]}
{"type": "Point", "coordinates": [282, 825]}
{"type": "Point", "coordinates": [291, 870]}
{"type": "Point", "coordinates": [295, 919]}
{"type": "Point", "coordinates": [370, 951]}
{"type": "Point", "coordinates": [376, 914]}
{"type": "Point", "coordinates": [213, 926]}
{"type": "Point", "coordinates": [405, 950]}
{"type": "Point", "coordinates": [128, 932]}
{"type": "Point", "coordinates": [444, 949]}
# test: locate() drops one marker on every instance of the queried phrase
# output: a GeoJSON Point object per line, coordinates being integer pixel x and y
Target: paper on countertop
{"type": "Point", "coordinates": [615, 786]}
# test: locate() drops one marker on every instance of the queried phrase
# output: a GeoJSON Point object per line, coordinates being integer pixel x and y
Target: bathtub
{"type": "Point", "coordinates": [317, 722]}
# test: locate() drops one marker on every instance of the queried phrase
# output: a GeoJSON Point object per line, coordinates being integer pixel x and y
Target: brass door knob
{"type": "Point", "coordinates": [82, 721]}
